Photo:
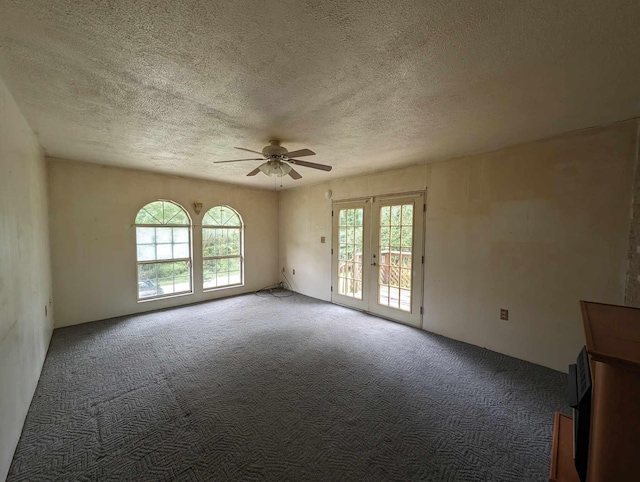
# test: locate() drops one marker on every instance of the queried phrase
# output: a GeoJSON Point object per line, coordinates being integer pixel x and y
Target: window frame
{"type": "Point", "coordinates": [239, 256]}
{"type": "Point", "coordinates": [188, 260]}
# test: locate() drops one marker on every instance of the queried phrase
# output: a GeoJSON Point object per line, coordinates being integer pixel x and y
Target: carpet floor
{"type": "Point", "coordinates": [259, 388]}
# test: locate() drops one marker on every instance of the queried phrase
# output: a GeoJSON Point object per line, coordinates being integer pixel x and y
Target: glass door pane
{"type": "Point", "coordinates": [395, 264]}
{"type": "Point", "coordinates": [350, 252]}
{"type": "Point", "coordinates": [350, 246]}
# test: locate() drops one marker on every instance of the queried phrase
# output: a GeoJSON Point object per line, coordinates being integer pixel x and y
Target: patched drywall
{"type": "Point", "coordinates": [172, 86]}
{"type": "Point", "coordinates": [25, 276]}
{"type": "Point", "coordinates": [93, 241]}
{"type": "Point", "coordinates": [533, 228]}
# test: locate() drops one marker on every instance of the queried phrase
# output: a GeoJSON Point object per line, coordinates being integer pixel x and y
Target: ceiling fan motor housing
{"type": "Point", "coordinates": [274, 150]}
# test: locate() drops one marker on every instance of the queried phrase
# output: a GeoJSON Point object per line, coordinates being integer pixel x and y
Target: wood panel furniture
{"type": "Point", "coordinates": [562, 466]}
{"type": "Point", "coordinates": [613, 343]}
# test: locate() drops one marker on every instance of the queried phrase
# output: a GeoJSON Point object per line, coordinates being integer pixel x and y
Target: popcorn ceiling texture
{"type": "Point", "coordinates": [632, 295]}
{"type": "Point", "coordinates": [369, 85]}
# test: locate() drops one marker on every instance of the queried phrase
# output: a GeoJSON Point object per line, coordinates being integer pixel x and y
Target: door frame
{"type": "Point", "coordinates": [369, 201]}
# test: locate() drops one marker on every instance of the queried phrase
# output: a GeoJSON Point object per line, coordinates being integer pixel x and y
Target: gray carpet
{"type": "Point", "coordinates": [252, 388]}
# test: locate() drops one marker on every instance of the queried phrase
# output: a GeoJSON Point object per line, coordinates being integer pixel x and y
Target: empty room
{"type": "Point", "coordinates": [283, 240]}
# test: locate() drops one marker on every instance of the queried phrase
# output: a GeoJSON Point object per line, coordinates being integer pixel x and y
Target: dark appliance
{"type": "Point", "coordinates": [580, 401]}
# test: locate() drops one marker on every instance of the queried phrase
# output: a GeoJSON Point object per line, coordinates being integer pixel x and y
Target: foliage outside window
{"type": "Point", "coordinates": [222, 248]}
{"type": "Point", "coordinates": [163, 242]}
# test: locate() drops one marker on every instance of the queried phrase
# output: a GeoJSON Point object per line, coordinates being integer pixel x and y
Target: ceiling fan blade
{"type": "Point", "coordinates": [238, 160]}
{"type": "Point", "coordinates": [300, 153]}
{"type": "Point", "coordinates": [295, 174]}
{"type": "Point", "coordinates": [312, 165]}
{"type": "Point", "coordinates": [248, 150]}
{"type": "Point", "coordinates": [254, 172]}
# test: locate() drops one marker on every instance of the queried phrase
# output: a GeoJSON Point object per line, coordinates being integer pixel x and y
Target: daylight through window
{"type": "Point", "coordinates": [163, 241]}
{"type": "Point", "coordinates": [222, 248]}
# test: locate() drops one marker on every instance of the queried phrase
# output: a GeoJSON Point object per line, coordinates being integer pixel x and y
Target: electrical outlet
{"type": "Point", "coordinates": [294, 271]}
{"type": "Point", "coordinates": [504, 314]}
{"type": "Point", "coordinates": [323, 239]}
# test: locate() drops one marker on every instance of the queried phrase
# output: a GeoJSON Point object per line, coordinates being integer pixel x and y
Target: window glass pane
{"type": "Point", "coordinates": [207, 242]}
{"type": "Point", "coordinates": [163, 251]}
{"type": "Point", "coordinates": [384, 237]}
{"type": "Point", "coordinates": [407, 235]}
{"type": "Point", "coordinates": [395, 215]}
{"type": "Point", "coordinates": [180, 235]}
{"type": "Point", "coordinates": [147, 217]}
{"type": "Point", "coordinates": [162, 212]}
{"type": "Point", "coordinates": [359, 214]}
{"type": "Point", "coordinates": [164, 235]}
{"type": "Point", "coordinates": [171, 213]}
{"type": "Point", "coordinates": [156, 211]}
{"type": "Point", "coordinates": [234, 264]}
{"type": "Point", "coordinates": [342, 236]}
{"type": "Point", "coordinates": [234, 241]}
{"type": "Point", "coordinates": [351, 217]}
{"type": "Point", "coordinates": [407, 214]}
{"type": "Point", "coordinates": [215, 235]}
{"type": "Point", "coordinates": [147, 281]}
{"type": "Point", "coordinates": [182, 277]}
{"type": "Point", "coordinates": [395, 236]}
{"type": "Point", "coordinates": [180, 251]}
{"type": "Point", "coordinates": [208, 219]}
{"type": "Point", "coordinates": [350, 244]}
{"type": "Point", "coordinates": [165, 278]}
{"type": "Point", "coordinates": [209, 274]}
{"type": "Point", "coordinates": [145, 235]}
{"type": "Point", "coordinates": [221, 216]}
{"type": "Point", "coordinates": [146, 252]}
{"type": "Point", "coordinates": [385, 216]}
{"type": "Point", "coordinates": [229, 217]}
{"type": "Point", "coordinates": [222, 272]}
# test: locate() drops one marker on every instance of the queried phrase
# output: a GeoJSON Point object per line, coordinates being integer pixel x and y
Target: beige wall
{"type": "Point", "coordinates": [93, 240]}
{"type": "Point", "coordinates": [533, 228]}
{"type": "Point", "coordinates": [25, 276]}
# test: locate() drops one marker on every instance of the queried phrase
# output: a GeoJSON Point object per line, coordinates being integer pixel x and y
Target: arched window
{"type": "Point", "coordinates": [163, 241]}
{"type": "Point", "coordinates": [222, 248]}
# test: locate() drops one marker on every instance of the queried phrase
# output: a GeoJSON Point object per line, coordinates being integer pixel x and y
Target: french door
{"type": "Point", "coordinates": [378, 256]}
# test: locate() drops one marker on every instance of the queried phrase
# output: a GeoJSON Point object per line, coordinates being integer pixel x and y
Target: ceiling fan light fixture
{"type": "Point", "coordinates": [277, 160]}
{"type": "Point", "coordinates": [272, 168]}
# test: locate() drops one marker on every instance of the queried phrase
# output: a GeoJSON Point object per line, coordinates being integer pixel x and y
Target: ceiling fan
{"type": "Point", "coordinates": [278, 159]}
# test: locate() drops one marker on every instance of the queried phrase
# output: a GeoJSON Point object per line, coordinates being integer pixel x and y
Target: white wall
{"type": "Point", "coordinates": [93, 241]}
{"type": "Point", "coordinates": [25, 276]}
{"type": "Point", "coordinates": [533, 228]}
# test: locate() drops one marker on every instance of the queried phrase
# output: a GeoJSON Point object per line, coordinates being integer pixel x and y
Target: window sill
{"type": "Point", "coordinates": [218, 288]}
{"type": "Point", "coordinates": [157, 298]}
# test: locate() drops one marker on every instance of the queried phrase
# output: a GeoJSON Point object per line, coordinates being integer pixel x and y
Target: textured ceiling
{"type": "Point", "coordinates": [173, 86]}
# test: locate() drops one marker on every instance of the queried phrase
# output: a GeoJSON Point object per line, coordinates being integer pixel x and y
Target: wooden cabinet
{"type": "Point", "coordinates": [562, 466]}
{"type": "Point", "coordinates": [613, 344]}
